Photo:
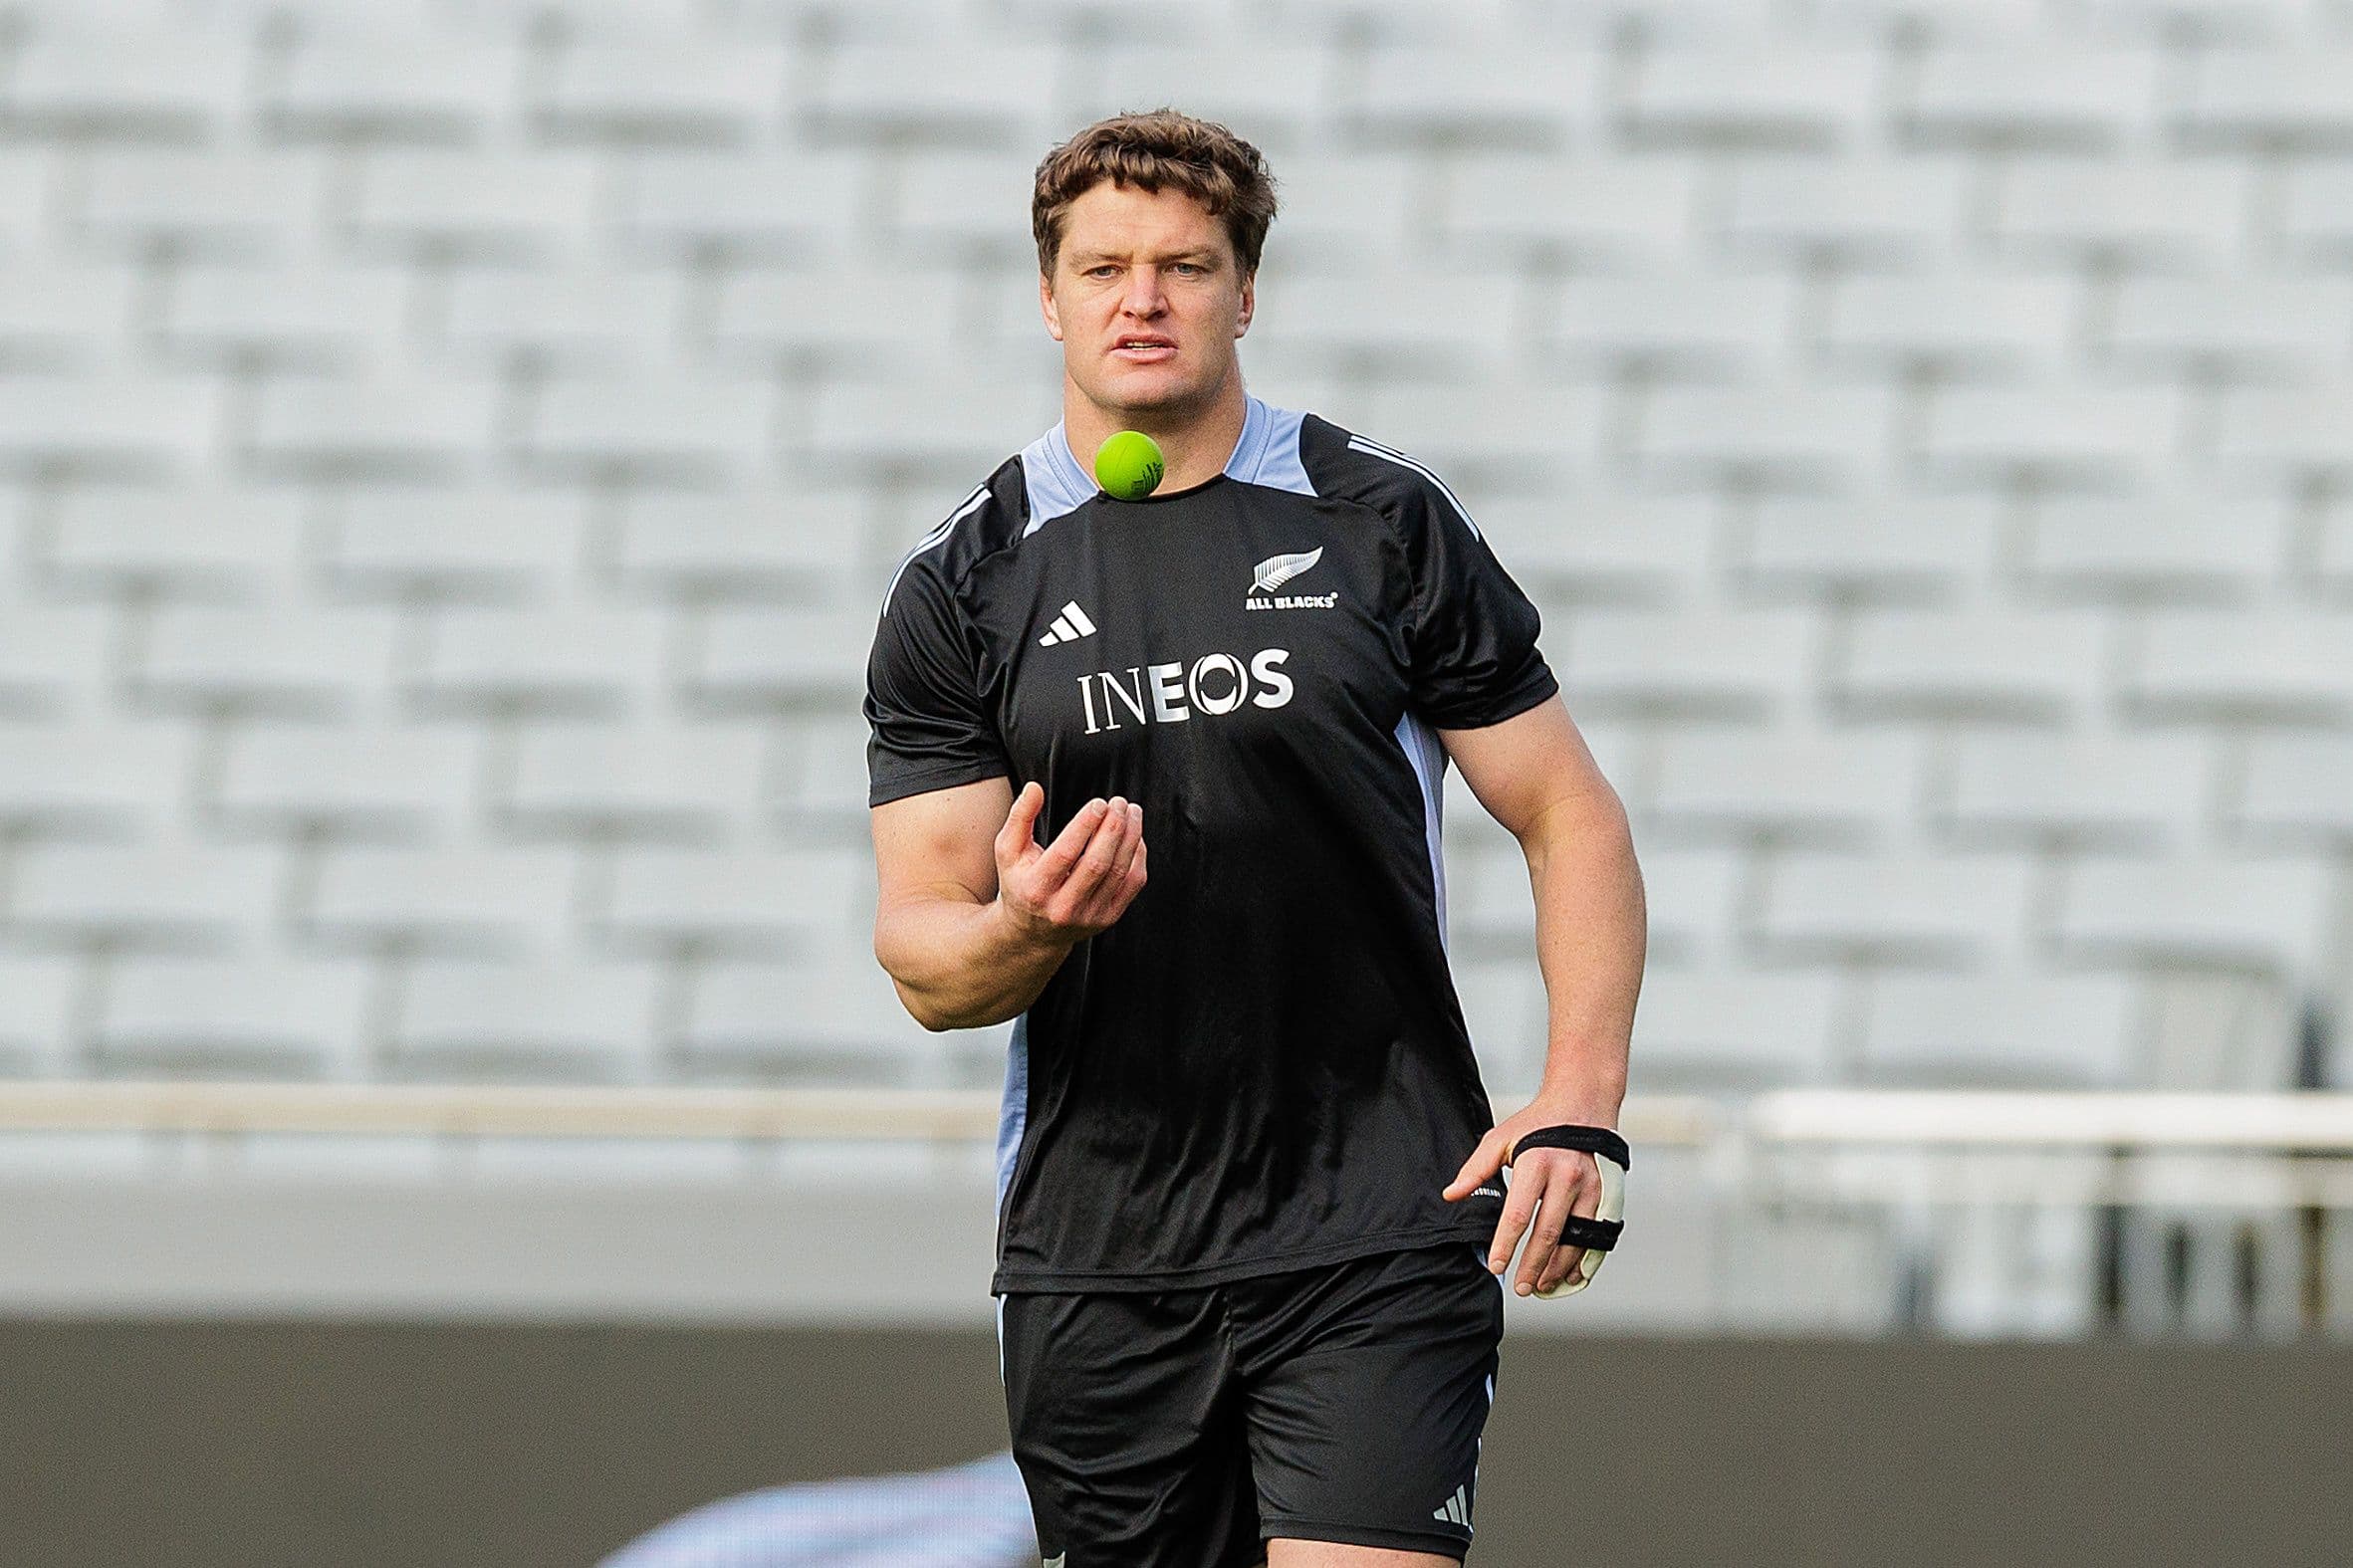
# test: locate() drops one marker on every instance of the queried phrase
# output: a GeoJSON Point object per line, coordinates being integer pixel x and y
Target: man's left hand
{"type": "Point", "coordinates": [1565, 1181]}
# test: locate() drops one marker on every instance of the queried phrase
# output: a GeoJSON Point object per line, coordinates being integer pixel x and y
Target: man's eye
{"type": "Point", "coordinates": [1100, 272]}
{"type": "Point", "coordinates": [1190, 266]}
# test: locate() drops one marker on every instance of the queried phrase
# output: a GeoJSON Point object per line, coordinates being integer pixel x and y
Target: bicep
{"type": "Point", "coordinates": [940, 843]}
{"type": "Point", "coordinates": [1528, 764]}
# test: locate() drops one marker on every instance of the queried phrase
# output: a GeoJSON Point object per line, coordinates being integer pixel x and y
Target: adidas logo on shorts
{"type": "Point", "coordinates": [1456, 1509]}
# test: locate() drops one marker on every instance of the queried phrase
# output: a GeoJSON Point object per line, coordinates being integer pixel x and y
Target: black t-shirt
{"type": "Point", "coordinates": [1262, 1065]}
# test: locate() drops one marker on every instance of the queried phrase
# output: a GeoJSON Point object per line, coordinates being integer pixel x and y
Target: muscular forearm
{"type": "Point", "coordinates": [960, 965]}
{"type": "Point", "coordinates": [1591, 931]}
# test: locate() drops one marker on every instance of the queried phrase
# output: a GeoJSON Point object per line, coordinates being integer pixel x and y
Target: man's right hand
{"type": "Point", "coordinates": [1080, 884]}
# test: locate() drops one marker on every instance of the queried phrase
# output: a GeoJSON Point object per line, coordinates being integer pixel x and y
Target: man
{"type": "Point", "coordinates": [1251, 1203]}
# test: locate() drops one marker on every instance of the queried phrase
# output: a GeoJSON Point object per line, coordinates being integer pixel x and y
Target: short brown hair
{"type": "Point", "coordinates": [1161, 148]}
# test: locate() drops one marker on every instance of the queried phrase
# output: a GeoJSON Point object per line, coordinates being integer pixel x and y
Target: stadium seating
{"type": "Point", "coordinates": [450, 455]}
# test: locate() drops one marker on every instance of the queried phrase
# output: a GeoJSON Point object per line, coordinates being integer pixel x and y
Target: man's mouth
{"type": "Point", "coordinates": [1142, 347]}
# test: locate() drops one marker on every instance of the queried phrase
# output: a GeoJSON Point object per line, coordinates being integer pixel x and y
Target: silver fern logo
{"type": "Point", "coordinates": [1275, 571]}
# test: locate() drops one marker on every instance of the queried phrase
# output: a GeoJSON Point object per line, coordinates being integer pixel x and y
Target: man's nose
{"type": "Point", "coordinates": [1143, 297]}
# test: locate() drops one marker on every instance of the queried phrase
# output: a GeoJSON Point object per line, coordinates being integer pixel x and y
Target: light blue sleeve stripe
{"type": "Point", "coordinates": [1013, 1112]}
{"type": "Point", "coordinates": [1427, 753]}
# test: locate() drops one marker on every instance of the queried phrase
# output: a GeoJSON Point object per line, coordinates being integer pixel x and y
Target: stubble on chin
{"type": "Point", "coordinates": [1166, 406]}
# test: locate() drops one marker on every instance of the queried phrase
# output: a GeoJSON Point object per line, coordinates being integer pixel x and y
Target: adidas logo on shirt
{"type": "Point", "coordinates": [1070, 625]}
{"type": "Point", "coordinates": [1456, 1509]}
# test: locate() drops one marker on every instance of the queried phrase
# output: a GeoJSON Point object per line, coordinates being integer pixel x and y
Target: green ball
{"type": "Point", "coordinates": [1128, 465]}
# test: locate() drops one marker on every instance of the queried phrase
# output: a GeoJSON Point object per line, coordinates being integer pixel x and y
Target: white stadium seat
{"type": "Point", "coordinates": [95, 775]}
{"type": "Point", "coordinates": [828, 1020]}
{"type": "Point", "coordinates": [407, 88]}
{"type": "Point", "coordinates": [401, 782]}
{"type": "Point", "coordinates": [466, 902]}
{"type": "Point", "coordinates": [2057, 98]}
{"type": "Point", "coordinates": [1860, 207]}
{"type": "Point", "coordinates": [1903, 661]}
{"type": "Point", "coordinates": [1871, 543]}
{"type": "Point", "coordinates": [413, 202]}
{"type": "Point", "coordinates": [569, 656]}
{"type": "Point", "coordinates": [199, 656]}
{"type": "Point", "coordinates": [166, 894]}
{"type": "Point", "coordinates": [217, 539]}
{"type": "Point", "coordinates": [2022, 785]}
{"type": "Point", "coordinates": [465, 541]}
{"type": "Point", "coordinates": [37, 1006]}
{"type": "Point", "coordinates": [1732, 782]}
{"type": "Point", "coordinates": [405, 427]}
{"type": "Point", "coordinates": [204, 201]}
{"type": "Point", "coordinates": [2187, 544]}
{"type": "Point", "coordinates": [2003, 1030]}
{"type": "Point", "coordinates": [1825, 95]}
{"type": "Point", "coordinates": [1723, 1030]}
{"type": "Point", "coordinates": [2256, 914]}
{"type": "Point", "coordinates": [2299, 789]}
{"type": "Point", "coordinates": [1532, 96]}
{"type": "Point", "coordinates": [1960, 324]}
{"type": "Point", "coordinates": [1694, 662]}
{"type": "Point", "coordinates": [665, 92]}
{"type": "Point", "coordinates": [2147, 211]}
{"type": "Point", "coordinates": [1280, 89]}
{"type": "Point", "coordinates": [476, 1019]}
{"type": "Point", "coordinates": [148, 87]}
{"type": "Point", "coordinates": [1950, 911]}
{"type": "Point", "coordinates": [683, 204]}
{"type": "Point", "coordinates": [111, 421]}
{"type": "Point", "coordinates": [1541, 206]}
{"type": "Point", "coordinates": [2281, 98]}
{"type": "Point", "coordinates": [658, 780]}
{"type": "Point", "coordinates": [233, 1017]}
{"type": "Point", "coordinates": [56, 315]}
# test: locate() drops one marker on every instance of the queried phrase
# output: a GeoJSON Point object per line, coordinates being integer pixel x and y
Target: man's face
{"type": "Point", "coordinates": [1146, 300]}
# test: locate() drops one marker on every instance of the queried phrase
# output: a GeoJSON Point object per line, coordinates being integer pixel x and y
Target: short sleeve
{"type": "Point", "coordinates": [930, 730]}
{"type": "Point", "coordinates": [1471, 634]}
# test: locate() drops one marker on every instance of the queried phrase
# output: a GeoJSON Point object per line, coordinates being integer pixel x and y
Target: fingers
{"type": "Point", "coordinates": [1565, 1262]}
{"type": "Point", "coordinates": [1585, 1205]}
{"type": "Point", "coordinates": [1125, 877]}
{"type": "Point", "coordinates": [1053, 866]}
{"type": "Point", "coordinates": [1122, 880]}
{"type": "Point", "coordinates": [1519, 1202]}
{"type": "Point", "coordinates": [1137, 871]}
{"type": "Point", "coordinates": [1020, 831]}
{"type": "Point", "coordinates": [1110, 846]}
{"type": "Point", "coordinates": [1086, 879]}
{"type": "Point", "coordinates": [1573, 1185]}
{"type": "Point", "coordinates": [1484, 1160]}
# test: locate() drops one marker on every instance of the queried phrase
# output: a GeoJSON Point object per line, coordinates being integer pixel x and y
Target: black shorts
{"type": "Point", "coordinates": [1179, 1429]}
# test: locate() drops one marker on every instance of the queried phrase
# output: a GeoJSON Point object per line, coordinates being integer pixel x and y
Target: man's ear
{"type": "Point", "coordinates": [1250, 301]}
{"type": "Point", "coordinates": [1053, 320]}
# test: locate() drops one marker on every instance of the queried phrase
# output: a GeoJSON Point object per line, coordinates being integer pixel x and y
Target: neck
{"type": "Point", "coordinates": [1195, 442]}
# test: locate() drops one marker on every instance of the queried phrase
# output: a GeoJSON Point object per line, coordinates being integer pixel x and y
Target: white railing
{"type": "Point", "coordinates": [2302, 1124]}
{"type": "Point", "coordinates": [1945, 1182]}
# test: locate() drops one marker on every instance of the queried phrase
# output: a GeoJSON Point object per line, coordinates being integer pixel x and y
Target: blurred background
{"type": "Point", "coordinates": [450, 455]}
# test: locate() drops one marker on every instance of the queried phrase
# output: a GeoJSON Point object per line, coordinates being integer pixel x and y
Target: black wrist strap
{"type": "Point", "coordinates": [1599, 1236]}
{"type": "Point", "coordinates": [1592, 1140]}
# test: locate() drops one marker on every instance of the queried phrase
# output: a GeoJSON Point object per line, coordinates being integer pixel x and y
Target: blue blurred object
{"type": "Point", "coordinates": [973, 1515]}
